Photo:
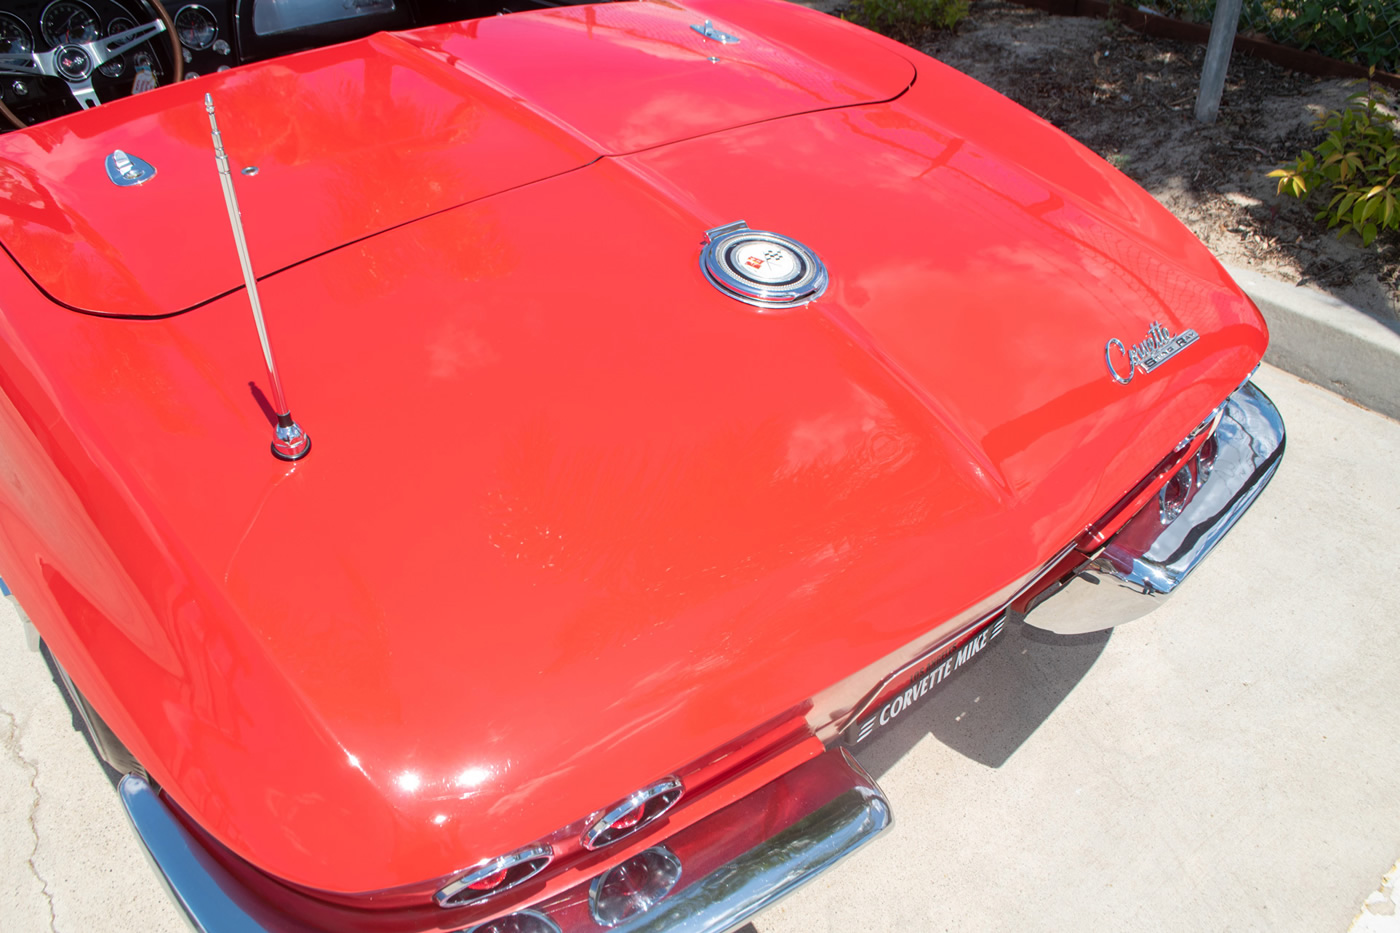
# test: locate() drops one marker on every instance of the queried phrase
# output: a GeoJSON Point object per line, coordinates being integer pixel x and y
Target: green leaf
{"type": "Point", "coordinates": [1368, 234]}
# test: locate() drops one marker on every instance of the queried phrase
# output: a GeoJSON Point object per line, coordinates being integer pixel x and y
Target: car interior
{"type": "Point", "coordinates": [60, 56]}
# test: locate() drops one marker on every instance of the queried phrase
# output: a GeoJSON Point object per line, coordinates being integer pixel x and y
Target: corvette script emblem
{"type": "Point", "coordinates": [1152, 351]}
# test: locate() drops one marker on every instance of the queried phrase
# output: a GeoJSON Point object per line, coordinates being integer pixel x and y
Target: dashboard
{"type": "Point", "coordinates": [214, 35]}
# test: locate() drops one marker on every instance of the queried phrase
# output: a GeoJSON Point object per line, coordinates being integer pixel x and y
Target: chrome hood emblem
{"type": "Point", "coordinates": [708, 30]}
{"type": "Point", "coordinates": [125, 170]}
{"type": "Point", "coordinates": [1147, 354]}
{"type": "Point", "coordinates": [766, 270]}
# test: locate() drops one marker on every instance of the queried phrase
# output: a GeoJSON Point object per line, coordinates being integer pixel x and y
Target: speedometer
{"type": "Point", "coordinates": [196, 27]}
{"type": "Point", "coordinates": [14, 36]}
{"type": "Point", "coordinates": [68, 21]}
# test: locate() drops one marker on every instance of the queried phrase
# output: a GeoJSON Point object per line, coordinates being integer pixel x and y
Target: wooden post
{"type": "Point", "coordinates": [1222, 40]}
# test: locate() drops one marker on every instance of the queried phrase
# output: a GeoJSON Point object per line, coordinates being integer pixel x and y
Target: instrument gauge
{"type": "Point", "coordinates": [67, 22]}
{"type": "Point", "coordinates": [14, 36]}
{"type": "Point", "coordinates": [196, 27]}
{"type": "Point", "coordinates": [117, 67]}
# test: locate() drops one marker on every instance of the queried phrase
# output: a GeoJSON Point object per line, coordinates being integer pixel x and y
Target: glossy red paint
{"type": "Point", "coordinates": [358, 138]}
{"type": "Point", "coordinates": [573, 519]}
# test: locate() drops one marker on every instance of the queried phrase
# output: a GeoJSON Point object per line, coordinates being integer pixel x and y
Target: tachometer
{"type": "Point", "coordinates": [14, 36]}
{"type": "Point", "coordinates": [196, 27]}
{"type": "Point", "coordinates": [68, 21]}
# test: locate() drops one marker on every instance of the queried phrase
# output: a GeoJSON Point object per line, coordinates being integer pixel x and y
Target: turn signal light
{"type": "Point", "coordinates": [490, 882]}
{"type": "Point", "coordinates": [1174, 495]}
{"type": "Point", "coordinates": [630, 818]}
{"type": "Point", "coordinates": [634, 886]}
{"type": "Point", "coordinates": [494, 876]}
{"type": "Point", "coordinates": [630, 815]}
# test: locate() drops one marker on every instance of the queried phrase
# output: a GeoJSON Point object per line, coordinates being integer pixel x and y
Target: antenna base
{"type": "Point", "coordinates": [291, 442]}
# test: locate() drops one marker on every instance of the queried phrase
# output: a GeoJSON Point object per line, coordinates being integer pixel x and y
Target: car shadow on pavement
{"type": "Point", "coordinates": [79, 725]}
{"type": "Point", "coordinates": [990, 708]}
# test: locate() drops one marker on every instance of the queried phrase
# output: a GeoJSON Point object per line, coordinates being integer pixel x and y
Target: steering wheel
{"type": "Point", "coordinates": [75, 62]}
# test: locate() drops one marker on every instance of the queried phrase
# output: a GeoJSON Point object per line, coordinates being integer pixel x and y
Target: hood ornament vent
{"type": "Point", "coordinates": [125, 170]}
{"type": "Point", "coordinates": [766, 270]}
{"type": "Point", "coordinates": [708, 30]}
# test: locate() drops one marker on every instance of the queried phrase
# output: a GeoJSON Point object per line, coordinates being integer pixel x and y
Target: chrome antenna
{"type": "Point", "coordinates": [290, 442]}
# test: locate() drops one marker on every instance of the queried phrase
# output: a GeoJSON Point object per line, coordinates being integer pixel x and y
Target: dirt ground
{"type": "Point", "coordinates": [1131, 97]}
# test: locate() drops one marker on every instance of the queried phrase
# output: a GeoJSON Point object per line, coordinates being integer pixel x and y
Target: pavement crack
{"type": "Point", "coordinates": [9, 740]}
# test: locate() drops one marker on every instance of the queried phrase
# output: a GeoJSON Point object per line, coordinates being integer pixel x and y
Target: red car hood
{"type": "Point", "coordinates": [573, 518]}
{"type": "Point", "coordinates": [358, 138]}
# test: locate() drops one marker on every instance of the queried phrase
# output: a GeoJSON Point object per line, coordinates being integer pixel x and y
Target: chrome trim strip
{"type": "Point", "coordinates": [543, 923]}
{"type": "Point", "coordinates": [1146, 562]}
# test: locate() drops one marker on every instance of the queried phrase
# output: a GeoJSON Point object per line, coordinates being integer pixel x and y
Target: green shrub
{"type": "Point", "coordinates": [1358, 163]}
{"type": "Point", "coordinates": [906, 20]}
{"type": "Point", "coordinates": [1362, 31]}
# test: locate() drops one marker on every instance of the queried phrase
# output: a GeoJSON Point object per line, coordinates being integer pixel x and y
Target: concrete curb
{"type": "Point", "coordinates": [1328, 342]}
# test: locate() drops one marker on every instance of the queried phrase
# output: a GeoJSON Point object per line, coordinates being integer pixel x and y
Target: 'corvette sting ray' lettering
{"type": "Point", "coordinates": [1152, 351]}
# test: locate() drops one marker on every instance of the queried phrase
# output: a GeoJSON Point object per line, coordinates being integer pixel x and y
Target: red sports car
{"type": "Point", "coordinates": [666, 397]}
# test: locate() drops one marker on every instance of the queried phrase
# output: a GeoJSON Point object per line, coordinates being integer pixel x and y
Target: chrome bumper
{"type": "Point", "coordinates": [743, 858]}
{"type": "Point", "coordinates": [1144, 563]}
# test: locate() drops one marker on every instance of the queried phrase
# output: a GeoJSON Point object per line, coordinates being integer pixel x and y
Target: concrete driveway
{"type": "Point", "coordinates": [1228, 763]}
